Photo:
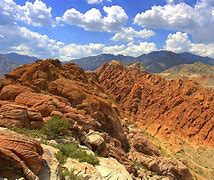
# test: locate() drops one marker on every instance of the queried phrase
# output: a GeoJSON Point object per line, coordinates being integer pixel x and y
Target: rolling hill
{"type": "Point", "coordinates": [202, 73]}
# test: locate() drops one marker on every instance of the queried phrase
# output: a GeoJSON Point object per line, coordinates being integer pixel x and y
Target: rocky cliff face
{"type": "Point", "coordinates": [32, 94]}
{"type": "Point", "coordinates": [168, 109]}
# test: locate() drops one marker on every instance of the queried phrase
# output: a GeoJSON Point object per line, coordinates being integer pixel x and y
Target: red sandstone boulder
{"type": "Point", "coordinates": [9, 92]}
{"type": "Point", "coordinates": [15, 115]}
{"type": "Point", "coordinates": [142, 145]}
{"type": "Point", "coordinates": [170, 168]}
{"type": "Point", "coordinates": [21, 156]}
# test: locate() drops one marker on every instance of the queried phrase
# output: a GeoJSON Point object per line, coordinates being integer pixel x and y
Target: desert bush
{"type": "Point", "coordinates": [73, 151]}
{"type": "Point", "coordinates": [61, 158]}
{"type": "Point", "coordinates": [55, 127]}
{"type": "Point", "coordinates": [66, 174]}
{"type": "Point", "coordinates": [28, 132]}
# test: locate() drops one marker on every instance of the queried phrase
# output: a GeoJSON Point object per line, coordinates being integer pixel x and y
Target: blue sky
{"type": "Point", "coordinates": [69, 29]}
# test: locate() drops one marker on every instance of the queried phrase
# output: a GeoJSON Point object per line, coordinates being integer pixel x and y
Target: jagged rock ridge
{"type": "Point", "coordinates": [171, 109]}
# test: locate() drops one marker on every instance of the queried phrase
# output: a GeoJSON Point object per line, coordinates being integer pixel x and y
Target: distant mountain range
{"type": "Point", "coordinates": [12, 60]}
{"type": "Point", "coordinates": [154, 62]}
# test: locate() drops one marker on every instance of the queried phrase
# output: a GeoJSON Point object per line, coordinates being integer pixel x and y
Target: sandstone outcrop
{"type": "Point", "coordinates": [22, 157]}
{"type": "Point", "coordinates": [168, 109]}
{"type": "Point", "coordinates": [32, 94]}
{"type": "Point", "coordinates": [51, 86]}
{"type": "Point", "coordinates": [17, 115]}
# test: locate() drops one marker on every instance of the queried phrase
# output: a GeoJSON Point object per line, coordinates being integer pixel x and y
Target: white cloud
{"type": "Point", "coordinates": [96, 1]}
{"type": "Point", "coordinates": [72, 51]}
{"type": "Point", "coordinates": [21, 40]}
{"type": "Point", "coordinates": [197, 21]}
{"type": "Point", "coordinates": [180, 42]}
{"type": "Point", "coordinates": [170, 1]}
{"type": "Point", "coordinates": [8, 11]}
{"type": "Point", "coordinates": [129, 34]}
{"type": "Point", "coordinates": [36, 13]}
{"type": "Point", "coordinates": [131, 49]}
{"type": "Point", "coordinates": [77, 51]}
{"type": "Point", "coordinates": [93, 20]}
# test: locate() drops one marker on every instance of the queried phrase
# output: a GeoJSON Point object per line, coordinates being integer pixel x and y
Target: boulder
{"type": "Point", "coordinates": [22, 157]}
{"type": "Point", "coordinates": [108, 169]}
{"type": "Point", "coordinates": [95, 140]}
{"type": "Point", "coordinates": [10, 91]}
{"type": "Point", "coordinates": [141, 144]}
{"type": "Point", "coordinates": [16, 115]}
{"type": "Point", "coordinates": [162, 166]}
{"type": "Point", "coordinates": [52, 166]}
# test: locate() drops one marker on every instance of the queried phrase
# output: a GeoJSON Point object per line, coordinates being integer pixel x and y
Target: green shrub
{"type": "Point", "coordinates": [55, 127]}
{"type": "Point", "coordinates": [89, 159]}
{"type": "Point", "coordinates": [61, 158]}
{"type": "Point", "coordinates": [28, 132]}
{"type": "Point", "coordinates": [64, 174]}
{"type": "Point", "coordinates": [73, 151]}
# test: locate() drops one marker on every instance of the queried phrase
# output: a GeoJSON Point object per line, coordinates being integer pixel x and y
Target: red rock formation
{"type": "Point", "coordinates": [47, 86]}
{"type": "Point", "coordinates": [31, 94]}
{"type": "Point", "coordinates": [16, 115]}
{"type": "Point", "coordinates": [21, 156]}
{"type": "Point", "coordinates": [169, 109]}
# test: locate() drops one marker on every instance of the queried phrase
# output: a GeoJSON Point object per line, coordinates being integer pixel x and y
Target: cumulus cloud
{"type": "Point", "coordinates": [77, 51]}
{"type": "Point", "coordinates": [180, 42]}
{"type": "Point", "coordinates": [36, 13]}
{"type": "Point", "coordinates": [131, 49]}
{"type": "Point", "coordinates": [72, 51]}
{"type": "Point", "coordinates": [129, 34]}
{"type": "Point", "coordinates": [21, 40]}
{"type": "Point", "coordinates": [197, 21]}
{"type": "Point", "coordinates": [93, 20]}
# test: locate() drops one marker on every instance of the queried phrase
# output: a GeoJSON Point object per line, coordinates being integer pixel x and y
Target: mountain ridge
{"type": "Point", "coordinates": [155, 62]}
{"type": "Point", "coordinates": [12, 60]}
